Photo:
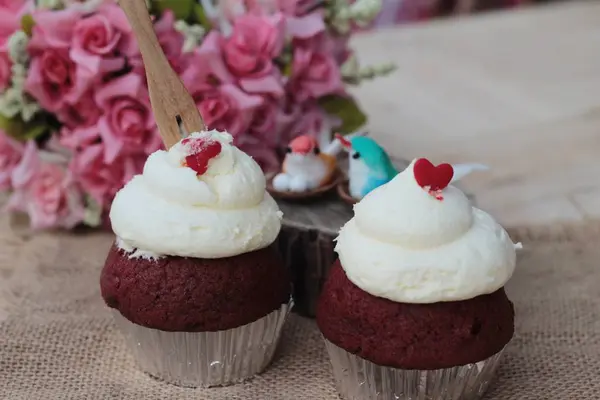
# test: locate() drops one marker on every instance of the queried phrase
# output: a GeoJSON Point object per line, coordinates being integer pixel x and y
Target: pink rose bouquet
{"type": "Point", "coordinates": [75, 116]}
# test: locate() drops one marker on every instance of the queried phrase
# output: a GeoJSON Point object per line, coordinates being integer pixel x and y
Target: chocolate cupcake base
{"type": "Point", "coordinates": [205, 359]}
{"type": "Point", "coordinates": [359, 379]}
{"type": "Point", "coordinates": [385, 350]}
{"type": "Point", "coordinates": [184, 294]}
{"type": "Point", "coordinates": [413, 336]}
{"type": "Point", "coordinates": [199, 322]}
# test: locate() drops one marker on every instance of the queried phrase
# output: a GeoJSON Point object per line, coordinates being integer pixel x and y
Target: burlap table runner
{"type": "Point", "coordinates": [57, 339]}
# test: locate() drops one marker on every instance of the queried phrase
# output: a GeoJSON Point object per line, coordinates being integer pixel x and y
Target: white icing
{"type": "Point", "coordinates": [406, 246]}
{"type": "Point", "coordinates": [169, 210]}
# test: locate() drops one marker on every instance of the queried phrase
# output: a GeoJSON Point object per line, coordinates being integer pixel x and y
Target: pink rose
{"type": "Point", "coordinates": [48, 195]}
{"type": "Point", "coordinates": [78, 136]}
{"type": "Point", "coordinates": [227, 108]}
{"type": "Point", "coordinates": [53, 29]}
{"type": "Point", "coordinates": [81, 114]}
{"type": "Point", "coordinates": [10, 155]}
{"type": "Point", "coordinates": [249, 52]}
{"type": "Point", "coordinates": [5, 70]}
{"type": "Point", "coordinates": [253, 44]}
{"type": "Point", "coordinates": [102, 40]}
{"type": "Point", "coordinates": [206, 68]}
{"type": "Point", "coordinates": [314, 75]}
{"type": "Point", "coordinates": [54, 80]}
{"type": "Point", "coordinates": [127, 125]}
{"type": "Point", "coordinates": [79, 122]}
{"type": "Point", "coordinates": [100, 179]}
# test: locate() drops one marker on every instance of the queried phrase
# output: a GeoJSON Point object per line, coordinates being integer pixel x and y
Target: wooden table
{"type": "Point", "coordinates": [517, 90]}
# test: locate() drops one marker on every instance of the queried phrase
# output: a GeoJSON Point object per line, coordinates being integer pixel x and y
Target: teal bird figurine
{"type": "Point", "coordinates": [369, 165]}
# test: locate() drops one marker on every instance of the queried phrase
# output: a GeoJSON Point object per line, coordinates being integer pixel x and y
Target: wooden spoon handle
{"type": "Point", "coordinates": [169, 98]}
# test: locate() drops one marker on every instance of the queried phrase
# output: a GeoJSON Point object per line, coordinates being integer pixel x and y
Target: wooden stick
{"type": "Point", "coordinates": [169, 98]}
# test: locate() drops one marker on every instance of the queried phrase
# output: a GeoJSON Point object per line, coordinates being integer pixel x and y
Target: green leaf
{"type": "Point", "coordinates": [346, 109]}
{"type": "Point", "coordinates": [181, 8]}
{"type": "Point", "coordinates": [287, 69]}
{"type": "Point", "coordinates": [27, 24]}
{"type": "Point", "coordinates": [199, 17]}
{"type": "Point", "coordinates": [20, 130]}
{"type": "Point", "coordinates": [33, 132]}
{"type": "Point", "coordinates": [12, 126]}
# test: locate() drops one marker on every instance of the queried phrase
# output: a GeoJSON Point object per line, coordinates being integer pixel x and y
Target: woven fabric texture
{"type": "Point", "coordinates": [58, 341]}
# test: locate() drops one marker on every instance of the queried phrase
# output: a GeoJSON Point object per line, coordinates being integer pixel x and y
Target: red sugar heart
{"type": "Point", "coordinates": [436, 177]}
{"type": "Point", "coordinates": [203, 150]}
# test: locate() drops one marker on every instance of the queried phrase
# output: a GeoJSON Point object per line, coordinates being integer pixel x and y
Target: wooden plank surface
{"type": "Point", "coordinates": [517, 90]}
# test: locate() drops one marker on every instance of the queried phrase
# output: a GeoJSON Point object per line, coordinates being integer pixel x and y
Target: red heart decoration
{"type": "Point", "coordinates": [436, 177]}
{"type": "Point", "coordinates": [203, 150]}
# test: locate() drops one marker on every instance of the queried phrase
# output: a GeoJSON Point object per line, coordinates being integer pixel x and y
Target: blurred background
{"type": "Point", "coordinates": [401, 11]}
{"type": "Point", "coordinates": [511, 84]}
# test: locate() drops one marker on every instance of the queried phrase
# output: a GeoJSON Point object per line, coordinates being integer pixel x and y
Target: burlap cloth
{"type": "Point", "coordinates": [58, 341]}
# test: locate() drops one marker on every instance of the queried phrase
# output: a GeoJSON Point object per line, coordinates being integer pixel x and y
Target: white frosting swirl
{"type": "Point", "coordinates": [405, 245]}
{"type": "Point", "coordinates": [169, 210]}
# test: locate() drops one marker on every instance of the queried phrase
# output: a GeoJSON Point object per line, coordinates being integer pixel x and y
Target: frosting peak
{"type": "Point", "coordinates": [408, 245]}
{"type": "Point", "coordinates": [202, 198]}
{"type": "Point", "coordinates": [405, 213]}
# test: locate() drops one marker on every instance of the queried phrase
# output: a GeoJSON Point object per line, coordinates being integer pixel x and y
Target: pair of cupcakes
{"type": "Point", "coordinates": [194, 279]}
{"type": "Point", "coordinates": [415, 306]}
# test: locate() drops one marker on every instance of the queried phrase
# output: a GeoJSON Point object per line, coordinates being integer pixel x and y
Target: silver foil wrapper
{"type": "Point", "coordinates": [359, 379]}
{"type": "Point", "coordinates": [203, 359]}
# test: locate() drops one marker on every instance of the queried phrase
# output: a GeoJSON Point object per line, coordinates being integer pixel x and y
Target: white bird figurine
{"type": "Point", "coordinates": [305, 167]}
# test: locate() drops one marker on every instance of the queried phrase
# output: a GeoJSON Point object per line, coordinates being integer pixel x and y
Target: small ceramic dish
{"type": "Point", "coordinates": [336, 178]}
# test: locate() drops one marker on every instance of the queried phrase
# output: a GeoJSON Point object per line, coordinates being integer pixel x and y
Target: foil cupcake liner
{"type": "Point", "coordinates": [204, 359]}
{"type": "Point", "coordinates": [359, 379]}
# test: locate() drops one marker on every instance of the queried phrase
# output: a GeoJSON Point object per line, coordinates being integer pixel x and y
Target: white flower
{"type": "Point", "coordinates": [350, 68]}
{"type": "Point", "coordinates": [14, 102]}
{"type": "Point", "coordinates": [342, 14]}
{"type": "Point", "coordinates": [364, 11]}
{"type": "Point", "coordinates": [10, 103]}
{"type": "Point", "coordinates": [29, 109]}
{"type": "Point", "coordinates": [192, 34]}
{"type": "Point", "coordinates": [17, 47]}
{"type": "Point", "coordinates": [19, 75]}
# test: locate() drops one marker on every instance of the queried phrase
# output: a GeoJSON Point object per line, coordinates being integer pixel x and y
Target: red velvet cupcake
{"type": "Point", "coordinates": [415, 306]}
{"type": "Point", "coordinates": [193, 254]}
